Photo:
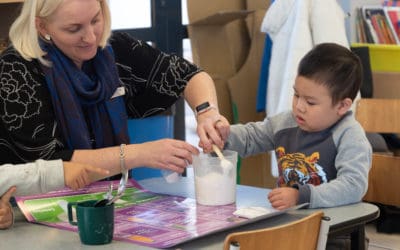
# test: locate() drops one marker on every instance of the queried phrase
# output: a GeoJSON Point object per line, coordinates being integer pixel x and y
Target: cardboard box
{"type": "Point", "coordinates": [224, 98]}
{"type": "Point", "coordinates": [198, 9]}
{"type": "Point", "coordinates": [243, 86]}
{"type": "Point", "coordinates": [220, 42]}
{"type": "Point", "coordinates": [257, 4]}
{"type": "Point", "coordinates": [218, 35]}
{"type": "Point", "coordinates": [386, 84]}
{"type": "Point", "coordinates": [255, 171]}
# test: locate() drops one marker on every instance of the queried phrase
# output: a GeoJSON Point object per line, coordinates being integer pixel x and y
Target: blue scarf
{"type": "Point", "coordinates": [85, 112]}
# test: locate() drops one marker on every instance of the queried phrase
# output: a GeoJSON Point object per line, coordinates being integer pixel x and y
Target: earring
{"type": "Point", "coordinates": [47, 37]}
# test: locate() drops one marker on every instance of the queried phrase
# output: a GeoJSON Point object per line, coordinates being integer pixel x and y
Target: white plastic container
{"type": "Point", "coordinates": [214, 185]}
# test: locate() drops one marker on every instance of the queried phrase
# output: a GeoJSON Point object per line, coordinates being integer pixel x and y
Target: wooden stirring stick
{"type": "Point", "coordinates": [225, 164]}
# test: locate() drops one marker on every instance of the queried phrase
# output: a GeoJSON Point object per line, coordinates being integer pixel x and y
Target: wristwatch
{"type": "Point", "coordinates": [204, 107]}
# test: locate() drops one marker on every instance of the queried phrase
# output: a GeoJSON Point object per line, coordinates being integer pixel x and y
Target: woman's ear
{"type": "Point", "coordinates": [344, 105]}
{"type": "Point", "coordinates": [40, 26]}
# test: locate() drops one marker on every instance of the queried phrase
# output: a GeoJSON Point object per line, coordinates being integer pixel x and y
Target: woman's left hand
{"type": "Point", "coordinates": [212, 128]}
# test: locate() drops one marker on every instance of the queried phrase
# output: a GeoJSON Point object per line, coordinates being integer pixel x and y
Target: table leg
{"type": "Point", "coordinates": [358, 238]}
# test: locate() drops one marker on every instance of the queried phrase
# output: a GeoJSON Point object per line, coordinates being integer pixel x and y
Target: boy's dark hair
{"type": "Point", "coordinates": [335, 67]}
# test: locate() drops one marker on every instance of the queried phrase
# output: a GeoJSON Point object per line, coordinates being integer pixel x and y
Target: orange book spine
{"type": "Point", "coordinates": [378, 30]}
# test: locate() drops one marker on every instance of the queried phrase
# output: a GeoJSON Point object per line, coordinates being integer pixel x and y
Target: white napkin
{"type": "Point", "coordinates": [253, 212]}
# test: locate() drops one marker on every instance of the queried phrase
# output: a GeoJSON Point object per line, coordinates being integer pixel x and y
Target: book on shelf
{"type": "Point", "coordinates": [378, 24]}
{"type": "Point", "coordinates": [391, 2]}
{"type": "Point", "coordinates": [363, 31]}
{"type": "Point", "coordinates": [393, 16]}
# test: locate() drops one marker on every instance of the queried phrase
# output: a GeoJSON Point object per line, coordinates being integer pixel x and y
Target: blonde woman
{"type": "Point", "coordinates": [68, 87]}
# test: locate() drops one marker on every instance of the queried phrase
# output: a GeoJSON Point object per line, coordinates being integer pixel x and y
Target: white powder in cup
{"type": "Point", "coordinates": [215, 189]}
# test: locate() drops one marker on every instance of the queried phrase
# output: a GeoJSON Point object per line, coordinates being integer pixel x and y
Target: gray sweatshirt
{"type": "Point", "coordinates": [330, 167]}
{"type": "Point", "coordinates": [32, 178]}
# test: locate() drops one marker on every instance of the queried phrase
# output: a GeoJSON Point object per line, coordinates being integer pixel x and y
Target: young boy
{"type": "Point", "coordinates": [322, 152]}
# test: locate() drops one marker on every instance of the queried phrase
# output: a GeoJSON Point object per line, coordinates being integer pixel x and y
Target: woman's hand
{"type": "Point", "coordinates": [169, 154]}
{"type": "Point", "coordinates": [6, 212]}
{"type": "Point", "coordinates": [212, 128]}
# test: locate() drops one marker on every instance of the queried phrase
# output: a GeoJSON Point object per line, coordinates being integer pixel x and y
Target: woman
{"type": "Point", "coordinates": [67, 90]}
{"type": "Point", "coordinates": [64, 97]}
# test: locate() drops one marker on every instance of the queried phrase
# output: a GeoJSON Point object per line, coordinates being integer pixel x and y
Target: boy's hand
{"type": "Point", "coordinates": [78, 175]}
{"type": "Point", "coordinates": [6, 213]}
{"type": "Point", "coordinates": [282, 198]}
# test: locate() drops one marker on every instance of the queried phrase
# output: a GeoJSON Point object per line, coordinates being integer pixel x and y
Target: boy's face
{"type": "Point", "coordinates": [312, 105]}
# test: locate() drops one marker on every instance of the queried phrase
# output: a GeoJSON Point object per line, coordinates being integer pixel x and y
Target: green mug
{"type": "Point", "coordinates": [95, 224]}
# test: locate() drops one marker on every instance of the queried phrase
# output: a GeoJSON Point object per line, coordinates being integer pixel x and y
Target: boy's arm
{"type": "Point", "coordinates": [31, 178]}
{"type": "Point", "coordinates": [35, 177]}
{"type": "Point", "coordinates": [78, 175]}
{"type": "Point", "coordinates": [44, 176]}
{"type": "Point", "coordinates": [258, 137]}
{"type": "Point", "coordinates": [353, 162]}
{"type": "Point", "coordinates": [249, 139]}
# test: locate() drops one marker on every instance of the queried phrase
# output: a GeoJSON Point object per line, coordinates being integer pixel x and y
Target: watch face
{"type": "Point", "coordinates": [202, 106]}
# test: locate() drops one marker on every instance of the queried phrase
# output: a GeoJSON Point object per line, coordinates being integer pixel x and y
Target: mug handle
{"type": "Point", "coordinates": [70, 214]}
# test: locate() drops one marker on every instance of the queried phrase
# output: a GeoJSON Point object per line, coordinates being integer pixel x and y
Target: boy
{"type": "Point", "coordinates": [322, 151]}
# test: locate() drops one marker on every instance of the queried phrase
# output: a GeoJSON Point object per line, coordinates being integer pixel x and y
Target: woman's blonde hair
{"type": "Point", "coordinates": [25, 37]}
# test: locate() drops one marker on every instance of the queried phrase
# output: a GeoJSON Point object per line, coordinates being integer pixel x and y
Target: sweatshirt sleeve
{"type": "Point", "coordinates": [257, 137]}
{"type": "Point", "coordinates": [352, 163]}
{"type": "Point", "coordinates": [32, 178]}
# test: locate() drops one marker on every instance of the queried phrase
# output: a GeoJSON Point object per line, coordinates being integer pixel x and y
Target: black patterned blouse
{"type": "Point", "coordinates": [28, 130]}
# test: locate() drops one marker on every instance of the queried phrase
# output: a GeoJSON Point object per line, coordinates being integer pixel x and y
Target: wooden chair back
{"type": "Point", "coordinates": [381, 116]}
{"type": "Point", "coordinates": [301, 235]}
{"type": "Point", "coordinates": [383, 180]}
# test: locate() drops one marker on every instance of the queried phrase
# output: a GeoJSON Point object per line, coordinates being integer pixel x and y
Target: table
{"type": "Point", "coordinates": [344, 220]}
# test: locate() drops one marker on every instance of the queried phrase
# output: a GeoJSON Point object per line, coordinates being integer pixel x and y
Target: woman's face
{"type": "Point", "coordinates": [76, 28]}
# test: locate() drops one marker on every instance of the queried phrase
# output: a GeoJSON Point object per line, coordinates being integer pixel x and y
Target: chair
{"type": "Point", "coordinates": [381, 116]}
{"type": "Point", "coordinates": [300, 234]}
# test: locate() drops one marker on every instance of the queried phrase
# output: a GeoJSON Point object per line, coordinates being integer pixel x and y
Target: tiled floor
{"type": "Point", "coordinates": [381, 241]}
{"type": "Point", "coordinates": [377, 241]}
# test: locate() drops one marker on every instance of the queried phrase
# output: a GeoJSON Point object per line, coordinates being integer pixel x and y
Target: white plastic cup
{"type": "Point", "coordinates": [215, 186]}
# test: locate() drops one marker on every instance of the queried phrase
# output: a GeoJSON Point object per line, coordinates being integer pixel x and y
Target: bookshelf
{"type": "Point", "coordinates": [378, 25]}
{"type": "Point", "coordinates": [384, 58]}
{"type": "Point", "coordinates": [350, 7]}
